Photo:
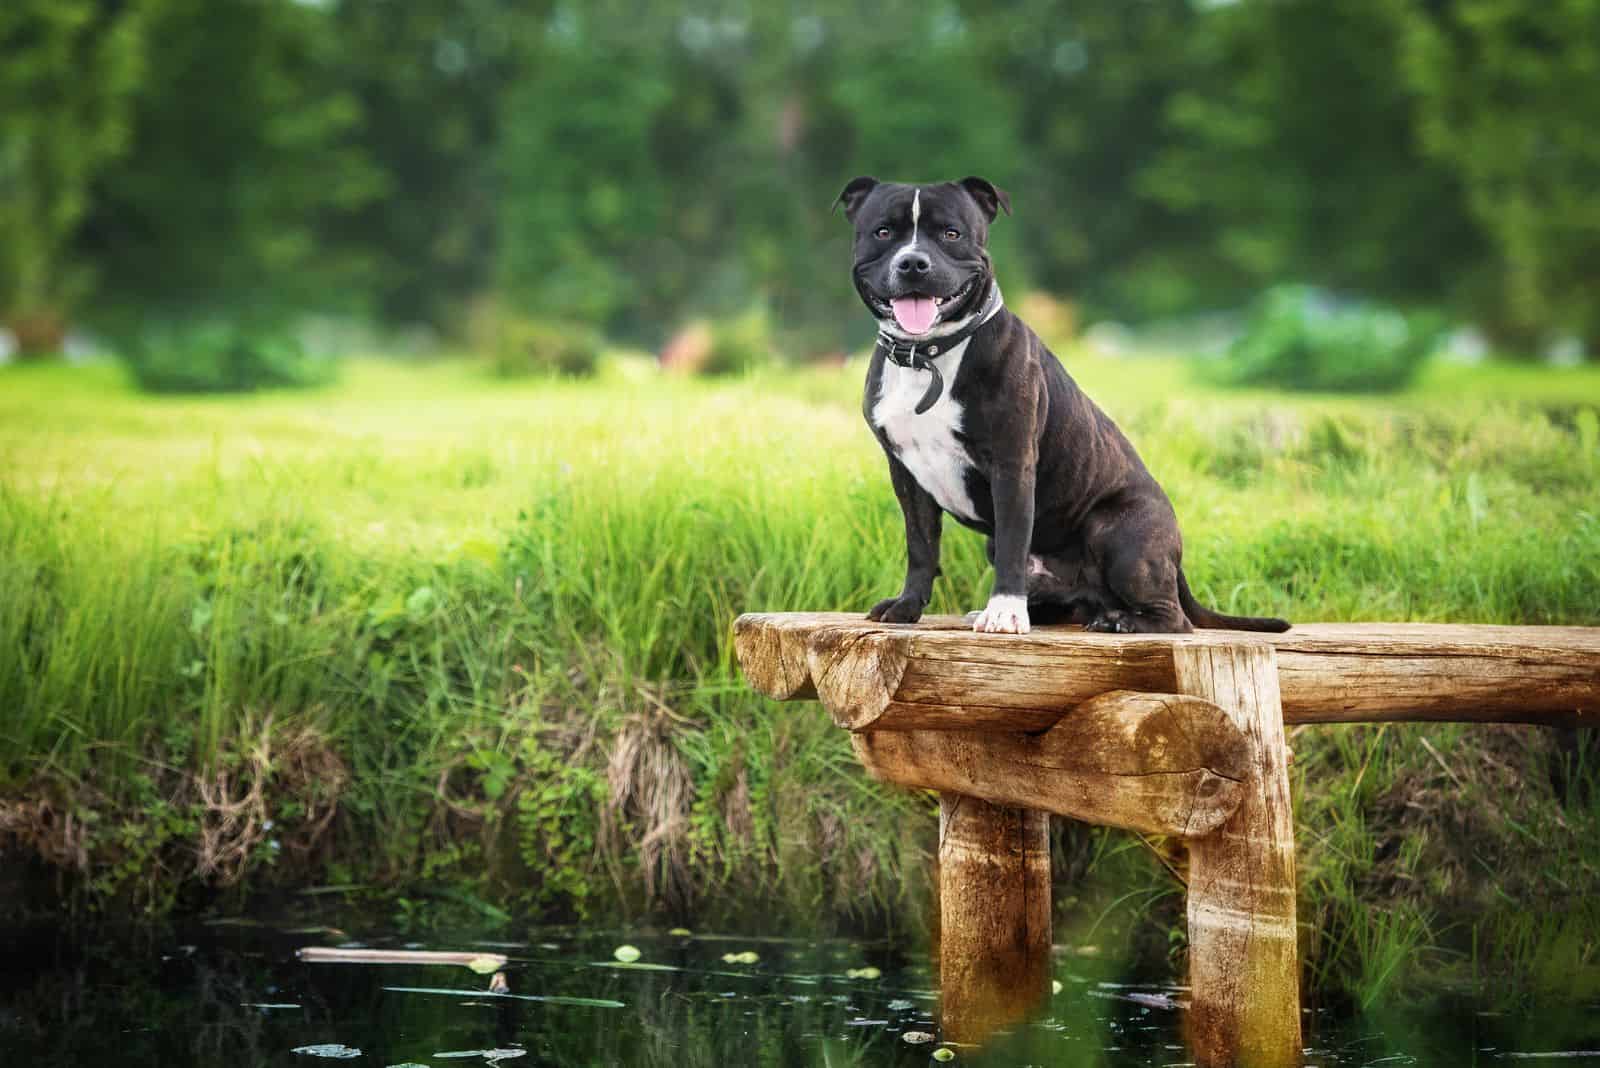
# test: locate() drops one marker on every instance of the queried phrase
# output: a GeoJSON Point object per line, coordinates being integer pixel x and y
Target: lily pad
{"type": "Point", "coordinates": [869, 972]}
{"type": "Point", "coordinates": [749, 956]}
{"type": "Point", "coordinates": [627, 954]}
{"type": "Point", "coordinates": [331, 1050]}
{"type": "Point", "coordinates": [486, 965]}
{"type": "Point", "coordinates": [944, 1053]}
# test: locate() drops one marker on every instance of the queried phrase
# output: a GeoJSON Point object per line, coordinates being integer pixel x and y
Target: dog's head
{"type": "Point", "coordinates": [921, 258]}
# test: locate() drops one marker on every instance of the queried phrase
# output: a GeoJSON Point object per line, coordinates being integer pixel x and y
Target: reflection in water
{"type": "Point", "coordinates": [240, 998]}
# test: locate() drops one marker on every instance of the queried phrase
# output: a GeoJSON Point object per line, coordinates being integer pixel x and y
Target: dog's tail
{"type": "Point", "coordinates": [1201, 616]}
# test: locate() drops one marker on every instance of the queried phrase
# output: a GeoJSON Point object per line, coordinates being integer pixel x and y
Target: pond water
{"type": "Point", "coordinates": [239, 996]}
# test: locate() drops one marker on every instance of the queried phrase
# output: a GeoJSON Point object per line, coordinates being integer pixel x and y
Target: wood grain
{"type": "Point", "coordinates": [1244, 975]}
{"type": "Point", "coordinates": [994, 916]}
{"type": "Point", "coordinates": [1159, 763]}
{"type": "Point", "coordinates": [938, 675]}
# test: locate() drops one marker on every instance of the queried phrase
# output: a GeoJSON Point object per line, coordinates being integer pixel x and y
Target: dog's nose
{"type": "Point", "coordinates": [912, 263]}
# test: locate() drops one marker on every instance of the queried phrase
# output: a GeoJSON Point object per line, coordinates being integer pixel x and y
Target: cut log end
{"type": "Point", "coordinates": [855, 674]}
{"type": "Point", "coordinates": [772, 654]}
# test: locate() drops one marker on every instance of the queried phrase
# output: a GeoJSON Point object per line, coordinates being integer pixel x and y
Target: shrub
{"type": "Point", "coordinates": [519, 347]}
{"type": "Point", "coordinates": [738, 345]}
{"type": "Point", "coordinates": [1300, 338]}
{"type": "Point", "coordinates": [220, 356]}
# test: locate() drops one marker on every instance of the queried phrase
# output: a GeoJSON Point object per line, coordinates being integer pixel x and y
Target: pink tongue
{"type": "Point", "coordinates": [914, 314]}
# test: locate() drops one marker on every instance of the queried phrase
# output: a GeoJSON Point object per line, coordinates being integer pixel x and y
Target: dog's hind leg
{"type": "Point", "coordinates": [1139, 565]}
{"type": "Point", "coordinates": [1058, 590]}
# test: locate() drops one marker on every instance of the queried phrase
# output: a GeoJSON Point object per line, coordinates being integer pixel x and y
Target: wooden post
{"type": "Point", "coordinates": [1244, 973]}
{"type": "Point", "coordinates": [994, 915]}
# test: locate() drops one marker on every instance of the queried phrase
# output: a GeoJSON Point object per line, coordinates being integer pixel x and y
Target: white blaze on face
{"type": "Point", "coordinates": [916, 315]}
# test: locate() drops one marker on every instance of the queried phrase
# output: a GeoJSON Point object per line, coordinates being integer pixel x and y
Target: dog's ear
{"type": "Point", "coordinates": [854, 192]}
{"type": "Point", "coordinates": [990, 197]}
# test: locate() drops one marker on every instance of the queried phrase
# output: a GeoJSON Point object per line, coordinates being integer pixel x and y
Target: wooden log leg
{"type": "Point", "coordinates": [994, 915]}
{"type": "Point", "coordinates": [1243, 969]}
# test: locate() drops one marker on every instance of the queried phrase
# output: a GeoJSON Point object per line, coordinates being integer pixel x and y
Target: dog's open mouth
{"type": "Point", "coordinates": [917, 314]}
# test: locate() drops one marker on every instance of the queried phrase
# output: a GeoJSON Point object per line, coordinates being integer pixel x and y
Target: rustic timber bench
{"type": "Point", "coordinates": [1170, 734]}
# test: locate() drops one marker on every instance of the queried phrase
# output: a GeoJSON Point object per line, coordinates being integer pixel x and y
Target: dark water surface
{"type": "Point", "coordinates": [239, 997]}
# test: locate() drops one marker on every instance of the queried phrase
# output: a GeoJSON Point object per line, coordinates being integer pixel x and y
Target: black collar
{"type": "Point", "coordinates": [920, 356]}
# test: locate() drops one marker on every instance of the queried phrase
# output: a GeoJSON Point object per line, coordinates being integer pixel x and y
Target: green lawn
{"type": "Point", "coordinates": [435, 633]}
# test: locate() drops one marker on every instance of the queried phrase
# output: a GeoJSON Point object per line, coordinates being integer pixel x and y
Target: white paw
{"type": "Point", "coordinates": [1004, 614]}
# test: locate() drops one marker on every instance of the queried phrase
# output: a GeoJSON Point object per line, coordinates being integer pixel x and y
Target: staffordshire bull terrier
{"type": "Point", "coordinates": [979, 419]}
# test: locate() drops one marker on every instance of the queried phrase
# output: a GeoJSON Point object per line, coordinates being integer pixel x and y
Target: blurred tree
{"type": "Point", "coordinates": [1090, 83]}
{"type": "Point", "coordinates": [430, 76]}
{"type": "Point", "coordinates": [1509, 98]}
{"type": "Point", "coordinates": [1292, 153]}
{"type": "Point", "coordinates": [67, 80]}
{"type": "Point", "coordinates": [700, 184]}
{"type": "Point", "coordinates": [241, 168]}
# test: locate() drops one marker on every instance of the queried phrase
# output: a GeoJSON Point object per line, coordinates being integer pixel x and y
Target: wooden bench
{"type": "Point", "coordinates": [1169, 734]}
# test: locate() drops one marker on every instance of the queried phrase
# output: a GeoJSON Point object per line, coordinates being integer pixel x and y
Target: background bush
{"type": "Point", "coordinates": [519, 347]}
{"type": "Point", "coordinates": [1301, 338]}
{"type": "Point", "coordinates": [219, 356]}
{"type": "Point", "coordinates": [739, 344]}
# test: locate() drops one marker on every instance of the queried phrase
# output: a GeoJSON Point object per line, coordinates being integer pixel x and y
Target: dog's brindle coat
{"type": "Point", "coordinates": [1078, 530]}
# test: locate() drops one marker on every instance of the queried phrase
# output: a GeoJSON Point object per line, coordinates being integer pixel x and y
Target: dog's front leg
{"type": "Point", "coordinates": [924, 521]}
{"type": "Point", "coordinates": [1007, 610]}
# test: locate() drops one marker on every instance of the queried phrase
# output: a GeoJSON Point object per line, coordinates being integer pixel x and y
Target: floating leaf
{"type": "Point", "coordinates": [549, 999]}
{"type": "Point", "coordinates": [749, 956]}
{"type": "Point", "coordinates": [627, 954]}
{"type": "Point", "coordinates": [681, 932]}
{"type": "Point", "coordinates": [331, 1050]}
{"type": "Point", "coordinates": [869, 972]}
{"type": "Point", "coordinates": [944, 1053]}
{"type": "Point", "coordinates": [486, 964]}
{"type": "Point", "coordinates": [490, 1055]}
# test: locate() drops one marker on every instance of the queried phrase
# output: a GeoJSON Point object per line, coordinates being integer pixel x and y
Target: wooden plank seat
{"type": "Point", "coordinates": [1171, 734]}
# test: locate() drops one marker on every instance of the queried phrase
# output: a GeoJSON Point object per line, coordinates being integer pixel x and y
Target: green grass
{"type": "Point", "coordinates": [463, 640]}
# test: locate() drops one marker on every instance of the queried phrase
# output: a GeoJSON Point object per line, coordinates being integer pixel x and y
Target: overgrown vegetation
{"type": "Point", "coordinates": [455, 642]}
{"type": "Point", "coordinates": [1298, 338]}
{"type": "Point", "coordinates": [221, 356]}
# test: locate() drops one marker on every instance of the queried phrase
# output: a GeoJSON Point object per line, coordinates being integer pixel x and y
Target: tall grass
{"type": "Point", "coordinates": [485, 624]}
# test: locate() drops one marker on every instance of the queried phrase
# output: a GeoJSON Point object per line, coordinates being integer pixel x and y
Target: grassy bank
{"type": "Point", "coordinates": [458, 643]}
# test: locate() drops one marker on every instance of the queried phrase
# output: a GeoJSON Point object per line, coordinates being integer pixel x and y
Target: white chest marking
{"type": "Point", "coordinates": [927, 443]}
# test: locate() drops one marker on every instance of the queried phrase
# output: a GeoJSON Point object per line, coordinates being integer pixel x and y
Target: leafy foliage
{"type": "Point", "coordinates": [67, 87]}
{"type": "Point", "coordinates": [240, 173]}
{"type": "Point", "coordinates": [1505, 99]}
{"type": "Point", "coordinates": [221, 356]}
{"type": "Point", "coordinates": [1300, 338]}
{"type": "Point", "coordinates": [521, 346]}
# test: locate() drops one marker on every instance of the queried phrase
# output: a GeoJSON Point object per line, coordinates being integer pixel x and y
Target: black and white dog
{"type": "Point", "coordinates": [979, 419]}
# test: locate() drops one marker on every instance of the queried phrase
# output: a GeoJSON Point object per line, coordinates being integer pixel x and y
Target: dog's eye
{"type": "Point", "coordinates": [952, 235]}
{"type": "Point", "coordinates": [883, 233]}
